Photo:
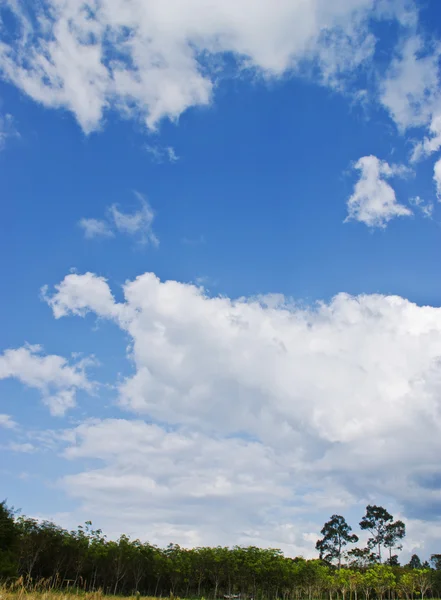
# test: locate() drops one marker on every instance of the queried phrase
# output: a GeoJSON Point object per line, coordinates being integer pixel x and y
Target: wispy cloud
{"type": "Point", "coordinates": [205, 281]}
{"type": "Point", "coordinates": [196, 241]}
{"type": "Point", "coordinates": [7, 129]}
{"type": "Point", "coordinates": [25, 447]}
{"type": "Point", "coordinates": [425, 207]}
{"type": "Point", "coordinates": [437, 178]}
{"type": "Point", "coordinates": [429, 144]}
{"type": "Point", "coordinates": [172, 156]}
{"type": "Point", "coordinates": [137, 224]}
{"type": "Point", "coordinates": [7, 422]}
{"type": "Point", "coordinates": [95, 228]}
{"type": "Point", "coordinates": [160, 155]}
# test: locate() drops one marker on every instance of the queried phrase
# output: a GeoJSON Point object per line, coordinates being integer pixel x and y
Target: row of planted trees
{"type": "Point", "coordinates": [84, 559]}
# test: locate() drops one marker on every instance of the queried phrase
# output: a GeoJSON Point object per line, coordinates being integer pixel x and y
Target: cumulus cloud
{"type": "Point", "coordinates": [373, 201]}
{"type": "Point", "coordinates": [411, 89]}
{"type": "Point", "coordinates": [328, 395]}
{"type": "Point", "coordinates": [71, 297]}
{"type": "Point", "coordinates": [138, 224]}
{"type": "Point", "coordinates": [57, 381]}
{"type": "Point", "coordinates": [154, 59]}
{"type": "Point", "coordinates": [211, 479]}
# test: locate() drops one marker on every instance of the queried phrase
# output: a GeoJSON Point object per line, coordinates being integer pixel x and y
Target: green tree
{"type": "Point", "coordinates": [355, 583]}
{"type": "Point", "coordinates": [85, 560]}
{"type": "Point", "coordinates": [366, 584]}
{"type": "Point", "coordinates": [395, 532]}
{"type": "Point", "coordinates": [414, 562]}
{"type": "Point", "coordinates": [423, 580]}
{"type": "Point", "coordinates": [336, 535]}
{"type": "Point", "coordinates": [8, 542]}
{"type": "Point", "coordinates": [343, 577]}
{"type": "Point", "coordinates": [381, 578]}
{"type": "Point", "coordinates": [407, 585]}
{"type": "Point", "coordinates": [435, 559]}
{"type": "Point", "coordinates": [361, 558]}
{"type": "Point", "coordinates": [311, 577]}
{"type": "Point", "coordinates": [376, 520]}
{"type": "Point", "coordinates": [31, 544]}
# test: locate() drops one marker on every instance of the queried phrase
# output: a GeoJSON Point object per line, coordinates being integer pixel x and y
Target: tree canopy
{"type": "Point", "coordinates": [40, 551]}
{"type": "Point", "coordinates": [336, 535]}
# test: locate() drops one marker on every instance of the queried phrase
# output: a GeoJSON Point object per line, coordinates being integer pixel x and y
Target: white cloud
{"type": "Point", "coordinates": [437, 177]}
{"type": "Point", "coordinates": [411, 90]}
{"type": "Point", "coordinates": [161, 155]}
{"type": "Point", "coordinates": [329, 396]}
{"type": "Point", "coordinates": [171, 154]}
{"type": "Point", "coordinates": [7, 129]}
{"type": "Point", "coordinates": [425, 207]}
{"type": "Point", "coordinates": [25, 447]}
{"type": "Point", "coordinates": [50, 374]}
{"type": "Point", "coordinates": [138, 223]}
{"type": "Point", "coordinates": [154, 59]}
{"type": "Point", "coordinates": [60, 402]}
{"type": "Point", "coordinates": [431, 144]}
{"type": "Point", "coordinates": [94, 228]}
{"type": "Point", "coordinates": [7, 422]}
{"type": "Point", "coordinates": [72, 296]}
{"type": "Point", "coordinates": [374, 201]}
{"type": "Point", "coordinates": [232, 481]}
{"type": "Point", "coordinates": [155, 152]}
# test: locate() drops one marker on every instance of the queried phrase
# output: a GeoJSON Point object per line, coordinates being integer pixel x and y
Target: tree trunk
{"type": "Point", "coordinates": [158, 579]}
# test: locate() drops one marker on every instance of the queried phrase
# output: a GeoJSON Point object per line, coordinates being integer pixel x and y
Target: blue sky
{"type": "Point", "coordinates": [258, 187]}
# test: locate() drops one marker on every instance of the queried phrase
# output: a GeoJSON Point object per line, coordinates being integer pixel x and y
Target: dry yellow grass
{"type": "Point", "coordinates": [18, 591]}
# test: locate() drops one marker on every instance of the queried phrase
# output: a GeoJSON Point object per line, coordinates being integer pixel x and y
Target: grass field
{"type": "Point", "coordinates": [20, 593]}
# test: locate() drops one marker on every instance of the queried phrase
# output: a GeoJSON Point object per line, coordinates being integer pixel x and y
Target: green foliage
{"type": "Point", "coordinates": [8, 542]}
{"type": "Point", "coordinates": [42, 556]}
{"type": "Point", "coordinates": [380, 578]}
{"type": "Point", "coordinates": [395, 532]}
{"type": "Point", "coordinates": [415, 562]}
{"type": "Point", "coordinates": [336, 535]}
{"type": "Point", "coordinates": [361, 558]}
{"type": "Point", "coordinates": [416, 580]}
{"type": "Point", "coordinates": [384, 532]}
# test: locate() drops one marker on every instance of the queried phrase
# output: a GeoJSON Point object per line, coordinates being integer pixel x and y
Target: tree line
{"type": "Point", "coordinates": [40, 552]}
